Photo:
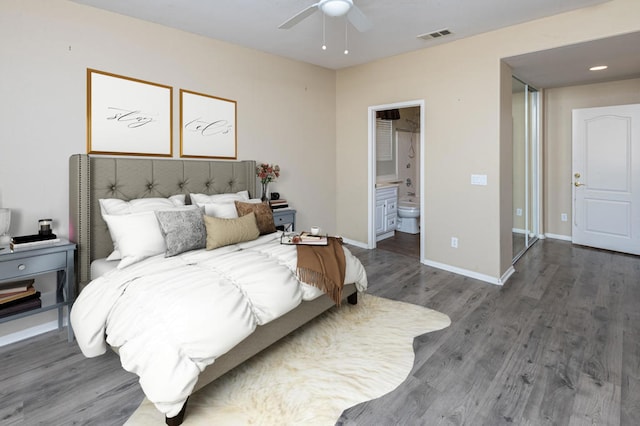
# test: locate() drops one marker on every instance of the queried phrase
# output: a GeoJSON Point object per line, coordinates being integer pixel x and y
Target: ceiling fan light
{"type": "Point", "coordinates": [335, 7]}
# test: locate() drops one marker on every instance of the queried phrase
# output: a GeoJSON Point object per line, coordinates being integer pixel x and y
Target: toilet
{"type": "Point", "coordinates": [409, 215]}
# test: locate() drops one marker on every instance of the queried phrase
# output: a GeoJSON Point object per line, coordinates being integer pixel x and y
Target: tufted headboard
{"type": "Point", "coordinates": [92, 178]}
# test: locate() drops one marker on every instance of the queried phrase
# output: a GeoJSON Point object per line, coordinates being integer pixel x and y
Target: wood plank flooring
{"type": "Point", "coordinates": [559, 344]}
{"type": "Point", "coordinates": [402, 243]}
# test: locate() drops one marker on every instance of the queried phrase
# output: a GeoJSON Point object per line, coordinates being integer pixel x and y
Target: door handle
{"type": "Point", "coordinates": [576, 184]}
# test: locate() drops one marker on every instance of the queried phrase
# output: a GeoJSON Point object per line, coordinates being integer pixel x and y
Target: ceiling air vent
{"type": "Point", "coordinates": [435, 34]}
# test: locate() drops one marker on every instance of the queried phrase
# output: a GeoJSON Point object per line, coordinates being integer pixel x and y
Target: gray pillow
{"type": "Point", "coordinates": [183, 230]}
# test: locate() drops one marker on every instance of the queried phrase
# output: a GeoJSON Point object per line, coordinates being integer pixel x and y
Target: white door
{"type": "Point", "coordinates": [606, 178]}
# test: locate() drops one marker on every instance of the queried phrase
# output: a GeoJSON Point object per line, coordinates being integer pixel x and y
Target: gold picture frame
{"type": "Point", "coordinates": [207, 126]}
{"type": "Point", "coordinates": [128, 116]}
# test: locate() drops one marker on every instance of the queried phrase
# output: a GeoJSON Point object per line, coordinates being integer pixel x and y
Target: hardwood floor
{"type": "Point", "coordinates": [402, 243]}
{"type": "Point", "coordinates": [559, 344]}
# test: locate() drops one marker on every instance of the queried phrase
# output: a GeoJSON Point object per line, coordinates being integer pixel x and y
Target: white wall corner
{"type": "Point", "coordinates": [503, 279]}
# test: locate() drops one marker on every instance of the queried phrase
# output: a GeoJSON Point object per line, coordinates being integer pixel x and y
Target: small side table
{"type": "Point", "coordinates": [285, 219]}
{"type": "Point", "coordinates": [30, 262]}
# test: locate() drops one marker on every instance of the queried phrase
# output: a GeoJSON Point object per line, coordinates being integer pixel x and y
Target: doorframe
{"type": "Point", "coordinates": [371, 243]}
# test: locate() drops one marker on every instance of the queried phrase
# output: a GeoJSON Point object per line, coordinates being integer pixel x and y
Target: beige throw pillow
{"type": "Point", "coordinates": [223, 232]}
{"type": "Point", "coordinates": [264, 215]}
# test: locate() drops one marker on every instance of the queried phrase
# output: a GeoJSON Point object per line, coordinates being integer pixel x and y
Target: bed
{"type": "Point", "coordinates": [96, 178]}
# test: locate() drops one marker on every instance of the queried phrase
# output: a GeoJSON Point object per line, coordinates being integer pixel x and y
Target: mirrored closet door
{"type": "Point", "coordinates": [526, 155]}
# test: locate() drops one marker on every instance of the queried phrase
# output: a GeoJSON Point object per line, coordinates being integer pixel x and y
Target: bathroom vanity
{"type": "Point", "coordinates": [386, 210]}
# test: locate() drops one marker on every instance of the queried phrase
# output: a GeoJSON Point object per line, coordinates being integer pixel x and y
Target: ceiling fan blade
{"type": "Point", "coordinates": [299, 17]}
{"type": "Point", "coordinates": [358, 19]}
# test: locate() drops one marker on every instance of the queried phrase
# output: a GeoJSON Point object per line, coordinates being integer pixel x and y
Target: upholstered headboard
{"type": "Point", "coordinates": [92, 178]}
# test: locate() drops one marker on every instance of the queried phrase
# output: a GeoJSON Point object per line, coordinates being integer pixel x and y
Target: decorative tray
{"type": "Point", "coordinates": [303, 238]}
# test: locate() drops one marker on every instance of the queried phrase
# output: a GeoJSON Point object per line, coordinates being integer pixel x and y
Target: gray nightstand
{"type": "Point", "coordinates": [285, 219]}
{"type": "Point", "coordinates": [31, 262]}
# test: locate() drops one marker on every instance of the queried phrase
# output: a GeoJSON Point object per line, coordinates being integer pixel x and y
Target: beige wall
{"type": "Point", "coordinates": [460, 83]}
{"type": "Point", "coordinates": [310, 120]}
{"type": "Point", "coordinates": [557, 141]}
{"type": "Point", "coordinates": [286, 109]}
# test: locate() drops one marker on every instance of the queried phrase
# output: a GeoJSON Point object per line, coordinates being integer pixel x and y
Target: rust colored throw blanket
{"type": "Point", "coordinates": [323, 267]}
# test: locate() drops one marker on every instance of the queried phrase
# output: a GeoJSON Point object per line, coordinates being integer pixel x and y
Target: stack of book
{"type": "Point", "coordinates": [278, 204]}
{"type": "Point", "coordinates": [30, 241]}
{"type": "Point", "coordinates": [18, 296]}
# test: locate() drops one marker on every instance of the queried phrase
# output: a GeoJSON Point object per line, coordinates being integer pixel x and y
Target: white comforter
{"type": "Point", "coordinates": [171, 317]}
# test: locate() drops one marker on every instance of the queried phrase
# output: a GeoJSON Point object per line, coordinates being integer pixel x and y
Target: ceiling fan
{"type": "Point", "coordinates": [332, 8]}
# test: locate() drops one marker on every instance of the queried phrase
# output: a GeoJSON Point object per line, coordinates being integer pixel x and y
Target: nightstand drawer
{"type": "Point", "coordinates": [33, 265]}
{"type": "Point", "coordinates": [282, 219]}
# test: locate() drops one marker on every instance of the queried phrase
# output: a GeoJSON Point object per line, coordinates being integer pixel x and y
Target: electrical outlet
{"type": "Point", "coordinates": [454, 242]}
{"type": "Point", "coordinates": [563, 217]}
{"type": "Point", "coordinates": [518, 212]}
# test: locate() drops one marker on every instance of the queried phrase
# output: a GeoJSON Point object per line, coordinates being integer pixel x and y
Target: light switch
{"type": "Point", "coordinates": [479, 180]}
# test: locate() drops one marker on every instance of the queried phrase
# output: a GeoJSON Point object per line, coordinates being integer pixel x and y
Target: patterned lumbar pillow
{"type": "Point", "coordinates": [264, 216]}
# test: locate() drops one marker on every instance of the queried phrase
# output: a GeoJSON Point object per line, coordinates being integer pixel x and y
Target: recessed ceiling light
{"type": "Point", "coordinates": [598, 68]}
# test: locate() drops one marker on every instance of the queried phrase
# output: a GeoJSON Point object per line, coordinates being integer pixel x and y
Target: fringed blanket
{"type": "Point", "coordinates": [323, 267]}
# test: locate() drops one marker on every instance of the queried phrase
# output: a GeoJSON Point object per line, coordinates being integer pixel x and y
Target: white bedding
{"type": "Point", "coordinates": [171, 317]}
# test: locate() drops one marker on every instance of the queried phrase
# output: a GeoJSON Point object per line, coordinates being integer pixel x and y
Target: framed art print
{"type": "Point", "coordinates": [207, 126]}
{"type": "Point", "coordinates": [127, 116]}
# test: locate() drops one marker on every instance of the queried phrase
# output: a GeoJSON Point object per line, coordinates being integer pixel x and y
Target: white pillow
{"type": "Point", "coordinates": [138, 236]}
{"type": "Point", "coordinates": [201, 199]}
{"type": "Point", "coordinates": [114, 206]}
{"type": "Point", "coordinates": [222, 210]}
{"type": "Point", "coordinates": [226, 209]}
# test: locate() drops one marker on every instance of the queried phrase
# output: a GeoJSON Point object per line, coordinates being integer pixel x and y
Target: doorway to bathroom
{"type": "Point", "coordinates": [396, 177]}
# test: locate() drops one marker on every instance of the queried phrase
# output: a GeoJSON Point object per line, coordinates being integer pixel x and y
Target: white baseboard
{"type": "Point", "coordinates": [482, 277]}
{"type": "Point", "coordinates": [384, 236]}
{"type": "Point", "coordinates": [558, 237]}
{"type": "Point", "coordinates": [30, 332]}
{"type": "Point", "coordinates": [472, 274]}
{"type": "Point", "coordinates": [507, 275]}
{"type": "Point", "coordinates": [356, 243]}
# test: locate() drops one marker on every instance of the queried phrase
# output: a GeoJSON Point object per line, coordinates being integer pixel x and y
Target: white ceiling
{"type": "Point", "coordinates": [569, 65]}
{"type": "Point", "coordinates": [396, 27]}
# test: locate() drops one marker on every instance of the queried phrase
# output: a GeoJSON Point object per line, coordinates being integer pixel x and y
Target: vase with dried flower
{"type": "Point", "coordinates": [267, 173]}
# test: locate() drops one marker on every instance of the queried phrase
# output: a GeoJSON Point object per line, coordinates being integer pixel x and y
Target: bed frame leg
{"type": "Point", "coordinates": [179, 418]}
{"type": "Point", "coordinates": [353, 298]}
